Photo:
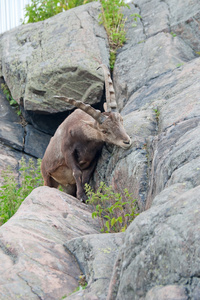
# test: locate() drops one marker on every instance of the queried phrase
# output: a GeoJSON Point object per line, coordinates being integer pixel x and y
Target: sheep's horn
{"type": "Point", "coordinates": [110, 93]}
{"type": "Point", "coordinates": [94, 113]}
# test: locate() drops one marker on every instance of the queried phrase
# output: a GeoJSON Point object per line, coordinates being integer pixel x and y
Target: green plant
{"type": "Point", "coordinates": [114, 22]}
{"type": "Point", "coordinates": [12, 194]}
{"type": "Point", "coordinates": [157, 113]}
{"type": "Point", "coordinates": [179, 65]}
{"type": "Point", "coordinates": [173, 34]}
{"type": "Point", "coordinates": [135, 19]}
{"type": "Point", "coordinates": [39, 10]}
{"type": "Point", "coordinates": [9, 97]}
{"type": "Point", "coordinates": [113, 210]}
{"type": "Point", "coordinates": [82, 286]}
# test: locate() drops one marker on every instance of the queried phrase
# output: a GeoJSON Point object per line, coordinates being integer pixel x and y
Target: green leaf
{"type": "Point", "coordinates": [107, 225]}
{"type": "Point", "coordinates": [113, 221]}
{"type": "Point", "coordinates": [120, 219]}
{"type": "Point", "coordinates": [123, 229]}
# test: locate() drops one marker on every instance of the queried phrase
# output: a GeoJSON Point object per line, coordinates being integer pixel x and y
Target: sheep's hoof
{"type": "Point", "coordinates": [82, 198]}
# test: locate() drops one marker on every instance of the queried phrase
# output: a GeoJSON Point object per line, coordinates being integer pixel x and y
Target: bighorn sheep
{"type": "Point", "coordinates": [73, 151]}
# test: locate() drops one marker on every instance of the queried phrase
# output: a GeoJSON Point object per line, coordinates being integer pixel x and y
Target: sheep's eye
{"type": "Point", "coordinates": [104, 131]}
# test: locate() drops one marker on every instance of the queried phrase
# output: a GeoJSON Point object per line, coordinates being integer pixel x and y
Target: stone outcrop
{"type": "Point", "coordinates": [161, 95]}
{"type": "Point", "coordinates": [156, 78]}
{"type": "Point", "coordinates": [160, 252]}
{"type": "Point", "coordinates": [35, 263]}
{"type": "Point", "coordinates": [18, 139]}
{"type": "Point", "coordinates": [150, 89]}
{"type": "Point", "coordinates": [58, 56]}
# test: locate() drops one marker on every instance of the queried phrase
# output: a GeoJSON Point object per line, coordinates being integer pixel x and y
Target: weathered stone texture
{"type": "Point", "coordinates": [156, 78]}
{"type": "Point", "coordinates": [56, 56]}
{"type": "Point", "coordinates": [96, 255]}
{"type": "Point", "coordinates": [162, 248]}
{"type": "Point", "coordinates": [160, 256]}
{"type": "Point", "coordinates": [34, 263]}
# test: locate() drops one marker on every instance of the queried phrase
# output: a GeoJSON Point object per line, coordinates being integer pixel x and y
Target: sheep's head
{"type": "Point", "coordinates": [112, 130]}
{"type": "Point", "coordinates": [109, 125]}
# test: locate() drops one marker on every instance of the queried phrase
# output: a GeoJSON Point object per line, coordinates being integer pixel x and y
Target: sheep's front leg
{"type": "Point", "coordinates": [77, 173]}
{"type": "Point", "coordinates": [80, 193]}
{"type": "Point", "coordinates": [87, 173]}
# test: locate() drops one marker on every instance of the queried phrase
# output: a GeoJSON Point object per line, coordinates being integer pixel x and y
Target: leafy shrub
{"type": "Point", "coordinates": [114, 22]}
{"type": "Point", "coordinates": [40, 10]}
{"type": "Point", "coordinates": [114, 211]}
{"type": "Point", "coordinates": [9, 97]}
{"type": "Point", "coordinates": [12, 194]}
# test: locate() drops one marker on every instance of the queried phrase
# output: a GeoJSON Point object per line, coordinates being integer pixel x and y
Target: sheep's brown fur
{"type": "Point", "coordinates": [73, 151]}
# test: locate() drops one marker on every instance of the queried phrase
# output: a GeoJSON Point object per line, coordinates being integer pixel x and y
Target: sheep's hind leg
{"type": "Point", "coordinates": [69, 189]}
{"type": "Point", "coordinates": [49, 181]}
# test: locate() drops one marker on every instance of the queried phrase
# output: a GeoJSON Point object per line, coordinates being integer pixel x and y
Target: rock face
{"type": "Point", "coordinates": [161, 249]}
{"type": "Point", "coordinates": [18, 140]}
{"type": "Point", "coordinates": [58, 56]}
{"type": "Point", "coordinates": [151, 89]}
{"type": "Point", "coordinates": [34, 262]}
{"type": "Point", "coordinates": [160, 256]}
{"type": "Point", "coordinates": [156, 79]}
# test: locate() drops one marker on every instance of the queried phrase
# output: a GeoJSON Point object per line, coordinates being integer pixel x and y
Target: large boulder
{"type": "Point", "coordinates": [49, 244]}
{"type": "Point", "coordinates": [155, 73]}
{"type": "Point", "coordinates": [96, 255]}
{"type": "Point", "coordinates": [34, 262]}
{"type": "Point", "coordinates": [58, 56]}
{"type": "Point", "coordinates": [160, 257]}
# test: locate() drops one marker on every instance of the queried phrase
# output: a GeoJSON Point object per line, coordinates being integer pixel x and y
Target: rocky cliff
{"type": "Point", "coordinates": [52, 239]}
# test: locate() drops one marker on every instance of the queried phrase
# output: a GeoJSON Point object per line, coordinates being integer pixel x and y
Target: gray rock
{"type": "Point", "coordinates": [26, 139]}
{"type": "Point", "coordinates": [169, 292]}
{"type": "Point", "coordinates": [12, 134]}
{"type": "Point", "coordinates": [152, 31]}
{"type": "Point", "coordinates": [157, 60]}
{"type": "Point", "coordinates": [11, 131]}
{"type": "Point", "coordinates": [7, 112]}
{"type": "Point", "coordinates": [152, 88]}
{"type": "Point", "coordinates": [175, 17]}
{"type": "Point", "coordinates": [161, 248]}
{"type": "Point", "coordinates": [56, 56]}
{"type": "Point", "coordinates": [36, 142]}
{"type": "Point", "coordinates": [176, 150]}
{"type": "Point", "coordinates": [160, 256]}
{"type": "Point", "coordinates": [156, 78]}
{"type": "Point", "coordinates": [96, 255]}
{"type": "Point", "coordinates": [128, 168]}
{"type": "Point", "coordinates": [34, 263]}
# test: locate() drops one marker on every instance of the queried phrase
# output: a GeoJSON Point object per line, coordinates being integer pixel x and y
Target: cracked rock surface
{"type": "Point", "coordinates": [34, 262]}
{"type": "Point", "coordinates": [58, 56]}
{"type": "Point", "coordinates": [28, 141]}
{"type": "Point", "coordinates": [156, 78]}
